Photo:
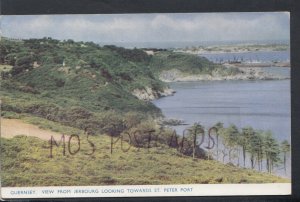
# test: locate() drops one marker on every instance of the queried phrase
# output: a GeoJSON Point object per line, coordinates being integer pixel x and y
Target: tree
{"type": "Point", "coordinates": [272, 151]}
{"type": "Point", "coordinates": [219, 126]}
{"type": "Point", "coordinates": [191, 137]}
{"type": "Point", "coordinates": [244, 140]}
{"type": "Point", "coordinates": [285, 148]}
{"type": "Point", "coordinates": [255, 143]}
{"type": "Point", "coordinates": [260, 155]}
{"type": "Point", "coordinates": [230, 137]}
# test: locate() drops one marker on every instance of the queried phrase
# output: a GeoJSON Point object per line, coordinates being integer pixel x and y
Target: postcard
{"type": "Point", "coordinates": [157, 104]}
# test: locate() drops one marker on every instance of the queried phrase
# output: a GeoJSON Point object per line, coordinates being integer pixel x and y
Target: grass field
{"type": "Point", "coordinates": [26, 162]}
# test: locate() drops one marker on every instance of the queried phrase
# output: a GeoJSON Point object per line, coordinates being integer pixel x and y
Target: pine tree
{"type": "Point", "coordinates": [219, 126]}
{"type": "Point", "coordinates": [245, 138]}
{"type": "Point", "coordinates": [285, 148]}
{"type": "Point", "coordinates": [255, 143]}
{"type": "Point", "coordinates": [230, 137]}
{"type": "Point", "coordinates": [191, 136]}
{"type": "Point", "coordinates": [260, 155]}
{"type": "Point", "coordinates": [271, 150]}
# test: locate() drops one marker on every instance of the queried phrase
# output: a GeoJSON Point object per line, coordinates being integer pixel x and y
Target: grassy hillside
{"type": "Point", "coordinates": [26, 162]}
{"type": "Point", "coordinates": [77, 84]}
{"type": "Point", "coordinates": [187, 63]}
{"type": "Point", "coordinates": [82, 84]}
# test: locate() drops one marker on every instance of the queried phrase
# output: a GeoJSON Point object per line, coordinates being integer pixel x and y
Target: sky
{"type": "Point", "coordinates": [106, 28]}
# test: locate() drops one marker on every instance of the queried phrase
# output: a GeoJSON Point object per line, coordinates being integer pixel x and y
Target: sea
{"type": "Point", "coordinates": [261, 104]}
{"type": "Point", "coordinates": [185, 44]}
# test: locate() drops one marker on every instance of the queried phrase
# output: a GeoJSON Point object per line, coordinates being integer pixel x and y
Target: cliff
{"type": "Point", "coordinates": [148, 94]}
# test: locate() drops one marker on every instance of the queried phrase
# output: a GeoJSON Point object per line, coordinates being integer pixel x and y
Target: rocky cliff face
{"type": "Point", "coordinates": [149, 94]}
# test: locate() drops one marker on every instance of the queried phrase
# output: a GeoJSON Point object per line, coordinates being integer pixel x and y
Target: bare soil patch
{"type": "Point", "coordinates": [14, 127]}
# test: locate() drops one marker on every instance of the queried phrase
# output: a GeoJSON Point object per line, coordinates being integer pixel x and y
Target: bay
{"type": "Point", "coordinates": [261, 104]}
{"type": "Point", "coordinates": [259, 56]}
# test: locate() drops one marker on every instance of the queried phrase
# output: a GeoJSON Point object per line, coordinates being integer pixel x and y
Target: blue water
{"type": "Point", "coordinates": [281, 71]}
{"type": "Point", "coordinates": [263, 105]}
{"type": "Point", "coordinates": [261, 56]}
{"type": "Point", "coordinates": [260, 104]}
{"type": "Point", "coordinates": [184, 44]}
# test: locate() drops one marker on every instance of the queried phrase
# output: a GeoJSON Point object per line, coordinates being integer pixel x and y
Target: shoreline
{"type": "Point", "coordinates": [207, 52]}
{"type": "Point", "coordinates": [148, 94]}
{"type": "Point", "coordinates": [237, 48]}
{"type": "Point", "coordinates": [175, 75]}
{"type": "Point", "coordinates": [173, 120]}
{"type": "Point", "coordinates": [258, 64]}
{"type": "Point", "coordinates": [246, 73]}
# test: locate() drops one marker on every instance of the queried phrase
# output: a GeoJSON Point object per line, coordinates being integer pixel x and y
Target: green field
{"type": "Point", "coordinates": [26, 162]}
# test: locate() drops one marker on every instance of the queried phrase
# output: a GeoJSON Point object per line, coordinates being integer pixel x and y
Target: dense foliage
{"type": "Point", "coordinates": [259, 148]}
{"type": "Point", "coordinates": [75, 83]}
{"type": "Point", "coordinates": [80, 84]}
{"type": "Point", "coordinates": [167, 61]}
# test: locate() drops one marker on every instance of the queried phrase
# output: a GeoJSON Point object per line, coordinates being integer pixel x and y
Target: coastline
{"type": "Point", "coordinates": [149, 94]}
{"type": "Point", "coordinates": [217, 107]}
{"type": "Point", "coordinates": [246, 73]}
{"type": "Point", "coordinates": [238, 48]}
{"type": "Point", "coordinates": [175, 75]}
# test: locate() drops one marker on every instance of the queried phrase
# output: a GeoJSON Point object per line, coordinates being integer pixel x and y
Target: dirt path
{"type": "Point", "coordinates": [14, 127]}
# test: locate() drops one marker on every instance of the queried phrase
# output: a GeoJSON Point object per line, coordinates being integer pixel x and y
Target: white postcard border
{"type": "Point", "coordinates": [146, 190]}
